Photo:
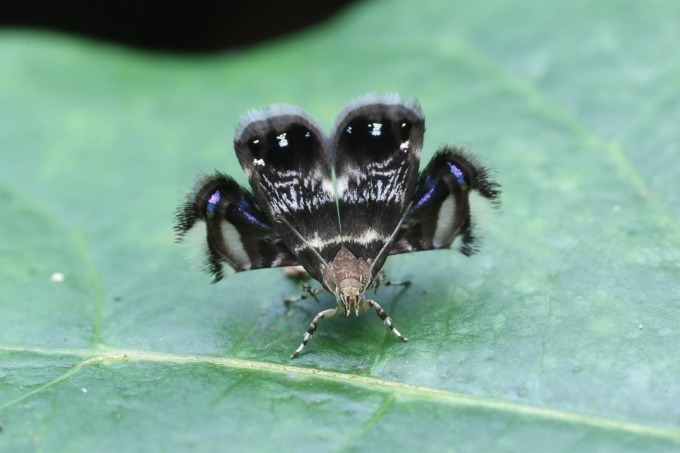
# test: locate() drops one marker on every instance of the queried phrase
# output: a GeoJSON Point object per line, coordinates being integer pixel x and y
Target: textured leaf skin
{"type": "Point", "coordinates": [560, 334]}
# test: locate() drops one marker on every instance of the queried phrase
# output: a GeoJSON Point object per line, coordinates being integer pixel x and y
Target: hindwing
{"type": "Point", "coordinates": [238, 236]}
{"type": "Point", "coordinates": [440, 208]}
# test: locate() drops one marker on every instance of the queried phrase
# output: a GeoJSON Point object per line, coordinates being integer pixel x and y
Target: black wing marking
{"type": "Point", "coordinates": [281, 150]}
{"type": "Point", "coordinates": [376, 150]}
{"type": "Point", "coordinates": [238, 237]}
{"type": "Point", "coordinates": [440, 209]}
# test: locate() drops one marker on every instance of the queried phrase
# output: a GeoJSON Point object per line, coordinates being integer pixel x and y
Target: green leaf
{"type": "Point", "coordinates": [561, 334]}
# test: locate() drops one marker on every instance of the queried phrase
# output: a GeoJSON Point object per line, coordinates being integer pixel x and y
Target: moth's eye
{"type": "Point", "coordinates": [459, 175]}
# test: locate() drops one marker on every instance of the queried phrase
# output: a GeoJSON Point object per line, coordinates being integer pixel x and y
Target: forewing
{"type": "Point", "coordinates": [281, 150]}
{"type": "Point", "coordinates": [233, 232]}
{"type": "Point", "coordinates": [440, 211]}
{"type": "Point", "coordinates": [376, 149]}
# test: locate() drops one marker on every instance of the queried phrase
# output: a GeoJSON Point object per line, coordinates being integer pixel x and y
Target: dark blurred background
{"type": "Point", "coordinates": [192, 27]}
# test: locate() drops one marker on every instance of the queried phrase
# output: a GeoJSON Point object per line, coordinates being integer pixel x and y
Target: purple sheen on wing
{"type": "Point", "coordinates": [430, 184]}
{"type": "Point", "coordinates": [458, 174]}
{"type": "Point", "coordinates": [212, 202]}
{"type": "Point", "coordinates": [244, 207]}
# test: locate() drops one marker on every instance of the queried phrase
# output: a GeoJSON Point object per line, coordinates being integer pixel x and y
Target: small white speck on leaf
{"type": "Point", "coordinates": [641, 327]}
{"type": "Point", "coordinates": [57, 277]}
{"type": "Point", "coordinates": [84, 390]}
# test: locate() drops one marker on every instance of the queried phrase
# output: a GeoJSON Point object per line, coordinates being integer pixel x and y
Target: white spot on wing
{"type": "Point", "coordinates": [444, 222]}
{"type": "Point", "coordinates": [234, 245]}
{"type": "Point", "coordinates": [317, 243]}
{"type": "Point", "coordinates": [480, 212]}
{"type": "Point", "coordinates": [327, 185]}
{"type": "Point", "coordinates": [290, 192]}
{"type": "Point", "coordinates": [277, 261]}
{"type": "Point", "coordinates": [368, 236]}
{"type": "Point", "coordinates": [377, 182]}
{"type": "Point", "coordinates": [342, 185]}
{"type": "Point", "coordinates": [197, 248]}
{"type": "Point", "coordinates": [405, 145]}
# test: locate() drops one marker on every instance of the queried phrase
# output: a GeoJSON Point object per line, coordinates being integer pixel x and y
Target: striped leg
{"type": "Point", "coordinates": [405, 283]}
{"type": "Point", "coordinates": [312, 327]}
{"type": "Point", "coordinates": [384, 317]}
{"type": "Point", "coordinates": [308, 291]}
{"type": "Point", "coordinates": [380, 281]}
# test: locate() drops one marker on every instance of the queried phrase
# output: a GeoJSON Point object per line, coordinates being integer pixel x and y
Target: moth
{"type": "Point", "coordinates": [337, 205]}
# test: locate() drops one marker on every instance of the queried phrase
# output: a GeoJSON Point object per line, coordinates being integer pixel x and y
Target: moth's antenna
{"type": "Point", "coordinates": [304, 241]}
{"type": "Point", "coordinates": [388, 244]}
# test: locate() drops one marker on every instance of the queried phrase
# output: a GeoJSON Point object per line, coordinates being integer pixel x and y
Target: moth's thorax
{"type": "Point", "coordinates": [347, 276]}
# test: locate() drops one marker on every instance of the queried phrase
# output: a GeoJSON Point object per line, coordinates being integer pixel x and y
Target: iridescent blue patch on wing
{"type": "Point", "coordinates": [246, 208]}
{"type": "Point", "coordinates": [459, 175]}
{"type": "Point", "coordinates": [429, 185]}
{"type": "Point", "coordinates": [212, 202]}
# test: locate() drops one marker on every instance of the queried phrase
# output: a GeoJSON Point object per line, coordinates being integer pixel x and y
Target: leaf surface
{"type": "Point", "coordinates": [561, 334]}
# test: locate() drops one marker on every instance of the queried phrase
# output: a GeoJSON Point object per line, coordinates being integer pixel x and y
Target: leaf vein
{"type": "Point", "coordinates": [399, 389]}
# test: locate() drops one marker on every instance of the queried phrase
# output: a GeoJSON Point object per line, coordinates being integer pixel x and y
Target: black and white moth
{"type": "Point", "coordinates": [340, 230]}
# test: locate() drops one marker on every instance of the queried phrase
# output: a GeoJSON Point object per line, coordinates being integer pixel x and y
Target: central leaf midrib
{"type": "Point", "coordinates": [406, 390]}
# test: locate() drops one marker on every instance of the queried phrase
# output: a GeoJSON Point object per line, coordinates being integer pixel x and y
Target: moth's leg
{"type": "Point", "coordinates": [405, 283]}
{"type": "Point", "coordinates": [312, 327]}
{"type": "Point", "coordinates": [308, 291]}
{"type": "Point", "coordinates": [296, 273]}
{"type": "Point", "coordinates": [371, 303]}
{"type": "Point", "coordinates": [380, 281]}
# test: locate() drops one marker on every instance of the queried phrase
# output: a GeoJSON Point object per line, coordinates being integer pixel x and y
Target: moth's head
{"type": "Point", "coordinates": [351, 293]}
